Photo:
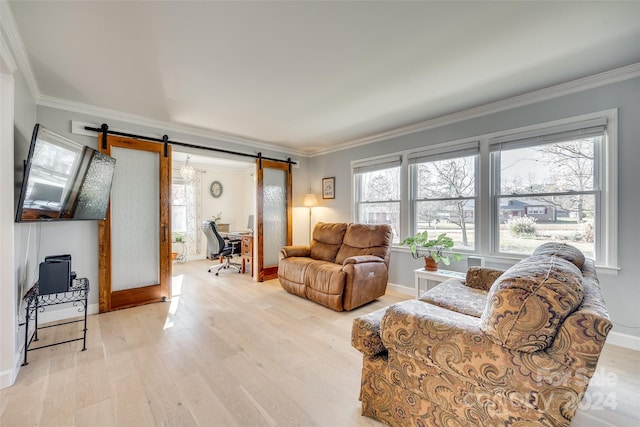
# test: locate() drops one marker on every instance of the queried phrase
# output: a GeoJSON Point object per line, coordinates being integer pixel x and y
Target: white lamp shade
{"type": "Point", "coordinates": [310, 200]}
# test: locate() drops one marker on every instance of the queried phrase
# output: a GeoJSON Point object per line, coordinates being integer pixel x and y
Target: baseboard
{"type": "Point", "coordinates": [631, 342]}
{"type": "Point", "coordinates": [8, 377]}
{"type": "Point", "coordinates": [65, 313]}
{"type": "Point", "coordinates": [197, 257]}
{"type": "Point", "coordinates": [405, 290]}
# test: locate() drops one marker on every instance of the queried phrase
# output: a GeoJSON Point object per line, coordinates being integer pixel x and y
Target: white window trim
{"type": "Point", "coordinates": [485, 232]}
{"type": "Point", "coordinates": [608, 218]}
{"type": "Point", "coordinates": [459, 150]}
{"type": "Point", "coordinates": [369, 164]}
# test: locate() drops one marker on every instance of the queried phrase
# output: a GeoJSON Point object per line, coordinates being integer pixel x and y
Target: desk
{"type": "Point", "coordinates": [435, 276]}
{"type": "Point", "coordinates": [246, 247]}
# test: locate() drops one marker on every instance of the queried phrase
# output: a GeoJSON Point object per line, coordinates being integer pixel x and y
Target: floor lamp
{"type": "Point", "coordinates": [310, 200]}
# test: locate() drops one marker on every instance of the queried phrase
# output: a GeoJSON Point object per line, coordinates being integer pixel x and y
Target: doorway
{"type": "Point", "coordinates": [214, 188]}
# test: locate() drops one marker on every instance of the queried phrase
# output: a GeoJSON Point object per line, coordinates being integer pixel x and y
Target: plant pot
{"type": "Point", "coordinates": [430, 264]}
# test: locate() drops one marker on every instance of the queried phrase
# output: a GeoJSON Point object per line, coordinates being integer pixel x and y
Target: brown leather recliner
{"type": "Point", "coordinates": [345, 265]}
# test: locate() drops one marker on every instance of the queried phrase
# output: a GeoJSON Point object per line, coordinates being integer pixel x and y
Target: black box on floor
{"type": "Point", "coordinates": [55, 276]}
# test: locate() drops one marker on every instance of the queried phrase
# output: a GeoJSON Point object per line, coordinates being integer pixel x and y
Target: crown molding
{"type": "Point", "coordinates": [107, 114]}
{"type": "Point", "coordinates": [14, 42]}
{"type": "Point", "coordinates": [10, 38]}
{"type": "Point", "coordinates": [568, 88]}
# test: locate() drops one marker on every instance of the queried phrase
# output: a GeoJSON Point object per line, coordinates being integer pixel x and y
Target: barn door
{"type": "Point", "coordinates": [274, 215]}
{"type": "Point", "coordinates": [135, 239]}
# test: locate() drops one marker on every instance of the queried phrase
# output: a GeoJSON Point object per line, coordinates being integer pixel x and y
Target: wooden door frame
{"type": "Point", "coordinates": [272, 272]}
{"type": "Point", "coordinates": [147, 294]}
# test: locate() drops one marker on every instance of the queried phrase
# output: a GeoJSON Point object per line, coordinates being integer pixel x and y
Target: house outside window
{"type": "Point", "coordinates": [377, 187]}
{"type": "Point", "coordinates": [547, 188]}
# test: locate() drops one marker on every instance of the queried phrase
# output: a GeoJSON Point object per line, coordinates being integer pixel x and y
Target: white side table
{"type": "Point", "coordinates": [434, 276]}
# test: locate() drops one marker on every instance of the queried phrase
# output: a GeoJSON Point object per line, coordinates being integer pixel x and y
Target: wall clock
{"type": "Point", "coordinates": [216, 189]}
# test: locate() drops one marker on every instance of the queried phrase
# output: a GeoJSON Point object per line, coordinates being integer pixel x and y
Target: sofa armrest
{"type": "Point", "coordinates": [482, 277]}
{"type": "Point", "coordinates": [291, 251]}
{"type": "Point", "coordinates": [365, 333]}
{"type": "Point", "coordinates": [359, 259]}
{"type": "Point", "coordinates": [366, 279]}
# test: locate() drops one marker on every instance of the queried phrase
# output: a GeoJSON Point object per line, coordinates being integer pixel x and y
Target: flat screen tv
{"type": "Point", "coordinates": [64, 180]}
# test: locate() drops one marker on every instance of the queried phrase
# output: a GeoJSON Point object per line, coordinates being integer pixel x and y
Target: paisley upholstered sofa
{"type": "Point", "coordinates": [345, 265]}
{"type": "Point", "coordinates": [514, 348]}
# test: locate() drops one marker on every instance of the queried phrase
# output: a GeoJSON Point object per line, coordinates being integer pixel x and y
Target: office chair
{"type": "Point", "coordinates": [218, 246]}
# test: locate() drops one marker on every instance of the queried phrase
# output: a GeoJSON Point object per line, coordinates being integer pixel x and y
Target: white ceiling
{"type": "Point", "coordinates": [314, 75]}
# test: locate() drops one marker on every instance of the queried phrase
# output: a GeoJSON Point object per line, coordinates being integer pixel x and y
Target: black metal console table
{"type": "Point", "coordinates": [77, 294]}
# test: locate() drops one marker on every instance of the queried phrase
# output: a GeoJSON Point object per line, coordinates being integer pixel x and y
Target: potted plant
{"type": "Point", "coordinates": [433, 250]}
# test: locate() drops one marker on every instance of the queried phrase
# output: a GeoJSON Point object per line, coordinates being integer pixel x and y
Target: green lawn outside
{"type": "Point", "coordinates": [569, 233]}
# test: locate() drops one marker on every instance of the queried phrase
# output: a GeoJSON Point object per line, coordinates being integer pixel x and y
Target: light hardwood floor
{"type": "Point", "coordinates": [229, 351]}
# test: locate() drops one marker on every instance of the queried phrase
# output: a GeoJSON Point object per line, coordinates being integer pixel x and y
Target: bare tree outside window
{"type": "Point", "coordinates": [573, 164]}
{"type": "Point", "coordinates": [446, 193]}
{"type": "Point", "coordinates": [552, 184]}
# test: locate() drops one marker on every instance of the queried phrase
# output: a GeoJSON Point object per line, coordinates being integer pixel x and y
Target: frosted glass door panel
{"type": "Point", "coordinates": [274, 214]}
{"type": "Point", "coordinates": [135, 219]}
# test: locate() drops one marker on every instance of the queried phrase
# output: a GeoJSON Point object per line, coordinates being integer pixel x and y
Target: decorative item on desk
{"type": "Point", "coordinates": [187, 172]}
{"type": "Point", "coordinates": [431, 249]}
{"type": "Point", "coordinates": [222, 228]}
{"type": "Point", "coordinates": [250, 222]}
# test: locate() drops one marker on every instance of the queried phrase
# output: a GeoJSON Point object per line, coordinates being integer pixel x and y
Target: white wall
{"type": "Point", "coordinates": [8, 318]}
{"type": "Point", "coordinates": [17, 115]}
{"type": "Point", "coordinates": [237, 201]}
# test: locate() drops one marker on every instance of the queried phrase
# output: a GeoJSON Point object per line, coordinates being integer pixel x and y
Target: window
{"type": "Point", "coordinates": [179, 207]}
{"type": "Point", "coordinates": [547, 188]}
{"type": "Point", "coordinates": [506, 193]}
{"type": "Point", "coordinates": [444, 193]}
{"type": "Point", "coordinates": [377, 193]}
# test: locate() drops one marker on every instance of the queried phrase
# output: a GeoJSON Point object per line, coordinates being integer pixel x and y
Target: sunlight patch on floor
{"type": "Point", "coordinates": [176, 290]}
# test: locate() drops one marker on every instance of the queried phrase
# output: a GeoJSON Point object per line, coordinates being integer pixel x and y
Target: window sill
{"type": "Point", "coordinates": [506, 261]}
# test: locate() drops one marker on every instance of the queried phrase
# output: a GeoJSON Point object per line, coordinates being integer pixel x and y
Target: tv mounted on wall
{"type": "Point", "coordinates": [64, 180]}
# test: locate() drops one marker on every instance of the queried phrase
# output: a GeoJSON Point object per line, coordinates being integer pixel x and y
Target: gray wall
{"type": "Point", "coordinates": [621, 291]}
